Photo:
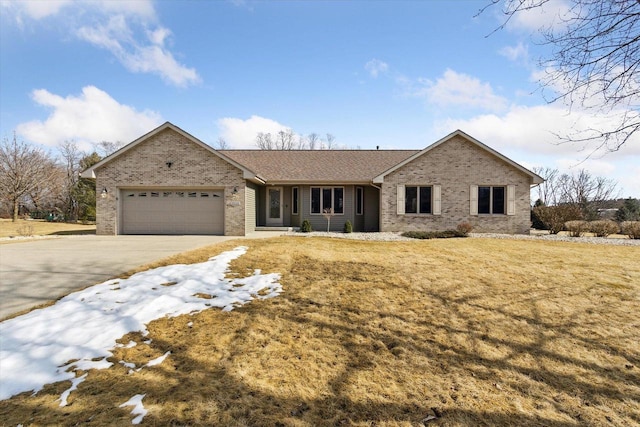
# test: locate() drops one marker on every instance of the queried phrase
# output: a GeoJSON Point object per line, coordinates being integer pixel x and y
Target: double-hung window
{"type": "Point", "coordinates": [325, 198]}
{"type": "Point", "coordinates": [417, 199]}
{"type": "Point", "coordinates": [491, 200]}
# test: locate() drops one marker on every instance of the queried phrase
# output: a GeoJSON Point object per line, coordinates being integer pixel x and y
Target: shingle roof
{"type": "Point", "coordinates": [318, 165]}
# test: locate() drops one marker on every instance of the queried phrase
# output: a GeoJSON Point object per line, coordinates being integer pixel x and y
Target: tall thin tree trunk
{"type": "Point", "coordinates": [16, 207]}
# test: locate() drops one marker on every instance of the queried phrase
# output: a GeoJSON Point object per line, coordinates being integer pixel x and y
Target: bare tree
{"type": "Point", "coordinates": [264, 141]}
{"type": "Point", "coordinates": [313, 140]}
{"type": "Point", "coordinates": [547, 192]}
{"type": "Point", "coordinates": [302, 143]}
{"type": "Point", "coordinates": [106, 148]}
{"type": "Point", "coordinates": [589, 193]}
{"type": "Point", "coordinates": [594, 64]}
{"type": "Point", "coordinates": [221, 144]}
{"type": "Point", "coordinates": [70, 155]}
{"type": "Point", "coordinates": [330, 141]}
{"type": "Point", "coordinates": [22, 169]}
{"type": "Point", "coordinates": [285, 140]}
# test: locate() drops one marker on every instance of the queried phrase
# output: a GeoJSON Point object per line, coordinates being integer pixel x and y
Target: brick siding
{"type": "Point", "coordinates": [456, 165]}
{"type": "Point", "coordinates": [144, 166]}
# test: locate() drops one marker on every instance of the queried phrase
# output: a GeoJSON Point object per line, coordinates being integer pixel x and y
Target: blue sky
{"type": "Point", "coordinates": [394, 74]}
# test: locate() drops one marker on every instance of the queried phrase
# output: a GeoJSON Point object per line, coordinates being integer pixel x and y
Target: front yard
{"type": "Point", "coordinates": [439, 332]}
{"type": "Point", "coordinates": [38, 227]}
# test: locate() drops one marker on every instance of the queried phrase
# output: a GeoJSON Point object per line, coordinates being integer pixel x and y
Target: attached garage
{"type": "Point", "coordinates": [171, 211]}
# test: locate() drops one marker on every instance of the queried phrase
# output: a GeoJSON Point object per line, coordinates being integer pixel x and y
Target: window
{"type": "Point", "coordinates": [327, 198]}
{"type": "Point", "coordinates": [491, 200]}
{"type": "Point", "coordinates": [294, 201]}
{"type": "Point", "coordinates": [315, 201]}
{"type": "Point", "coordinates": [359, 200]}
{"type": "Point", "coordinates": [417, 199]}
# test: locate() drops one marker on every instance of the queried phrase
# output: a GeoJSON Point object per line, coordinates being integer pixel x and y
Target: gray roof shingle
{"type": "Point", "coordinates": [318, 165]}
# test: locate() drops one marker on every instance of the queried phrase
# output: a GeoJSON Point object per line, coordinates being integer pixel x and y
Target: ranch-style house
{"type": "Point", "coordinates": [169, 182]}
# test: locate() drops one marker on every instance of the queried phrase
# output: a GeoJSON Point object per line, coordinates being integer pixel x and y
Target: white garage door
{"type": "Point", "coordinates": [172, 211]}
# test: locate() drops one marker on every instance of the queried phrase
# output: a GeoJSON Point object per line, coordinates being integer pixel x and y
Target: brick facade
{"type": "Point", "coordinates": [192, 167]}
{"type": "Point", "coordinates": [456, 165]}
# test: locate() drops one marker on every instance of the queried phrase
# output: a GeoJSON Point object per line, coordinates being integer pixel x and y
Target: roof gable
{"type": "Point", "coordinates": [535, 179]}
{"type": "Point", "coordinates": [90, 172]}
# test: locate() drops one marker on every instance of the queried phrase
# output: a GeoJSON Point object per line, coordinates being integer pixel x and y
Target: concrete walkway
{"type": "Point", "coordinates": [38, 271]}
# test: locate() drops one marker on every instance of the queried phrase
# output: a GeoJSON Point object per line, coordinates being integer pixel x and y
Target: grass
{"type": "Point", "coordinates": [476, 331]}
{"type": "Point", "coordinates": [27, 228]}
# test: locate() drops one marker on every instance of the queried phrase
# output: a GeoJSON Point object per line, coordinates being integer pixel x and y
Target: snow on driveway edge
{"type": "Point", "coordinates": [84, 326]}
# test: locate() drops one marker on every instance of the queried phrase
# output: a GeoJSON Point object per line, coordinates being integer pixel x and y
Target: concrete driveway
{"type": "Point", "coordinates": [38, 271]}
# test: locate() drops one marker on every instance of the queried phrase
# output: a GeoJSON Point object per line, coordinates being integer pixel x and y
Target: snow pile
{"type": "Point", "coordinates": [83, 327]}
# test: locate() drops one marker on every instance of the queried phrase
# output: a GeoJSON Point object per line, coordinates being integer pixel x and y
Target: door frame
{"type": "Point", "coordinates": [277, 222]}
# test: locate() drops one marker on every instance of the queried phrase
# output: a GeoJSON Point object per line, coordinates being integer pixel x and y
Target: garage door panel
{"type": "Point", "coordinates": [172, 212]}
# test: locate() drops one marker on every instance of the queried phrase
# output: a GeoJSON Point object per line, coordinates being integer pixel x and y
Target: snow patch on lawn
{"type": "Point", "coordinates": [77, 333]}
{"type": "Point", "coordinates": [138, 408]}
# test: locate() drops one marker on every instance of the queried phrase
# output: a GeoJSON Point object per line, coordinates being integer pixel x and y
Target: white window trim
{"type": "Point", "coordinates": [436, 199]}
{"type": "Point", "coordinates": [333, 198]}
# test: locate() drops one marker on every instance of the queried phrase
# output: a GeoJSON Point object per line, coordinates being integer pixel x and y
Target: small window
{"type": "Point", "coordinates": [359, 200]}
{"type": "Point", "coordinates": [315, 200]}
{"type": "Point", "coordinates": [192, 194]}
{"type": "Point", "coordinates": [417, 199]}
{"type": "Point", "coordinates": [326, 199]}
{"type": "Point", "coordinates": [180, 193]}
{"type": "Point", "coordinates": [166, 194]}
{"type": "Point", "coordinates": [491, 200]}
{"type": "Point", "coordinates": [142, 194]}
{"type": "Point", "coordinates": [216, 195]}
{"type": "Point", "coordinates": [204, 194]}
{"type": "Point", "coordinates": [155, 194]}
{"type": "Point", "coordinates": [338, 200]}
{"type": "Point", "coordinates": [294, 201]}
{"type": "Point", "coordinates": [131, 194]}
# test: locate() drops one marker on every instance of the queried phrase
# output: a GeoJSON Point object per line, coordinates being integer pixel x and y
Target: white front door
{"type": "Point", "coordinates": [274, 206]}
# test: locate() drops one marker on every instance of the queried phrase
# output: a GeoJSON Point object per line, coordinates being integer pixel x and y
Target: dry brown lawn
{"type": "Point", "coordinates": [27, 228]}
{"type": "Point", "coordinates": [475, 331]}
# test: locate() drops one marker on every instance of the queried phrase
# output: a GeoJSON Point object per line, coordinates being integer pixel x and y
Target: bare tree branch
{"type": "Point", "coordinates": [594, 64]}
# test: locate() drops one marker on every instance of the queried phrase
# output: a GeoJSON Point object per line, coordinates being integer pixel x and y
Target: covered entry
{"type": "Point", "coordinates": [172, 211]}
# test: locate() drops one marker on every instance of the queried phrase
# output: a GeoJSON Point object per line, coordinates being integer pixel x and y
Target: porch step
{"type": "Point", "coordinates": [283, 229]}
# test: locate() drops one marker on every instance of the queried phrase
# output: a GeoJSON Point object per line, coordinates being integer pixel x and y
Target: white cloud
{"type": "Point", "coordinates": [39, 9]}
{"type": "Point", "coordinates": [517, 53]}
{"type": "Point", "coordinates": [546, 16]}
{"type": "Point", "coordinates": [376, 67]}
{"type": "Point", "coordinates": [528, 135]}
{"type": "Point", "coordinates": [89, 118]}
{"type": "Point", "coordinates": [242, 133]}
{"type": "Point", "coordinates": [127, 29]}
{"type": "Point", "coordinates": [148, 56]}
{"type": "Point", "coordinates": [455, 89]}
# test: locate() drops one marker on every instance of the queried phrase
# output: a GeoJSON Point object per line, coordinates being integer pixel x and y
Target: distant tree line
{"type": "Point", "coordinates": [48, 185]}
{"type": "Point", "coordinates": [287, 140]}
{"type": "Point", "coordinates": [580, 196]}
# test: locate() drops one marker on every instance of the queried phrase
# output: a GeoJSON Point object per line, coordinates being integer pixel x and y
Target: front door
{"type": "Point", "coordinates": [274, 206]}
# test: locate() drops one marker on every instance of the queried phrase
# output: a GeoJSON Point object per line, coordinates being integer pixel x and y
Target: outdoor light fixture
{"type": "Point", "coordinates": [169, 163]}
{"type": "Point", "coordinates": [235, 190]}
{"type": "Point", "coordinates": [104, 193]}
